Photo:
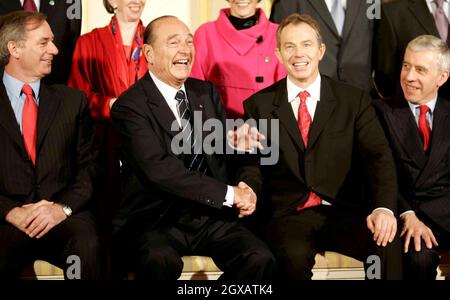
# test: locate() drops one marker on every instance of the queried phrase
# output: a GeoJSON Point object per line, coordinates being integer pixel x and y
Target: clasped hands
{"type": "Point", "coordinates": [36, 219]}
{"type": "Point", "coordinates": [244, 199]}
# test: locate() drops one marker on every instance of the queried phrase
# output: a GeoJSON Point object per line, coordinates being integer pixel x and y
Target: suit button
{"type": "Point", "coordinates": [37, 186]}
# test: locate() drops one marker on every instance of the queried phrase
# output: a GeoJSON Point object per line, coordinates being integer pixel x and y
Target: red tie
{"type": "Point", "coordinates": [29, 122]}
{"type": "Point", "coordinates": [28, 5]}
{"type": "Point", "coordinates": [304, 124]}
{"type": "Point", "coordinates": [424, 127]}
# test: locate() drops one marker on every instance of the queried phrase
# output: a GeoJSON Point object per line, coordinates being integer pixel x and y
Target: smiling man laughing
{"type": "Point", "coordinates": [177, 204]}
{"type": "Point", "coordinates": [329, 136]}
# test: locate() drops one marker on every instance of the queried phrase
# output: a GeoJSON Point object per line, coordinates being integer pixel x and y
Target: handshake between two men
{"type": "Point", "coordinates": [246, 139]}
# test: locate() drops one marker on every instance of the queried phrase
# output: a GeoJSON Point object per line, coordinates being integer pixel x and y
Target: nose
{"type": "Point", "coordinates": [298, 51]}
{"type": "Point", "coordinates": [185, 47]}
{"type": "Point", "coordinates": [52, 49]}
{"type": "Point", "coordinates": [410, 74]}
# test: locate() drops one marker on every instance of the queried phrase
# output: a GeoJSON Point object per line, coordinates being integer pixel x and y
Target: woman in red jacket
{"type": "Point", "coordinates": [106, 62]}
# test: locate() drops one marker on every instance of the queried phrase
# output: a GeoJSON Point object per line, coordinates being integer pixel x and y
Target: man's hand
{"type": "Point", "coordinates": [44, 216]}
{"type": "Point", "coordinates": [383, 225]}
{"type": "Point", "coordinates": [245, 138]}
{"type": "Point", "coordinates": [244, 199]}
{"type": "Point", "coordinates": [414, 228]}
{"type": "Point", "coordinates": [17, 215]}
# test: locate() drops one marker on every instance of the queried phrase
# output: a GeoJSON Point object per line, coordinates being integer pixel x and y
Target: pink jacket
{"type": "Point", "coordinates": [238, 62]}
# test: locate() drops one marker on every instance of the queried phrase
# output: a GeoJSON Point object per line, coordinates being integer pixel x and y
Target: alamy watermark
{"type": "Point", "coordinates": [73, 271]}
{"type": "Point", "coordinates": [215, 141]}
{"type": "Point", "coordinates": [74, 10]}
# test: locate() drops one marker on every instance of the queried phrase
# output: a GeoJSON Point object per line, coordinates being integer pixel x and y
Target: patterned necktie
{"type": "Point", "coordinates": [29, 122]}
{"type": "Point", "coordinates": [441, 20]}
{"type": "Point", "coordinates": [338, 15]}
{"type": "Point", "coordinates": [304, 124]}
{"type": "Point", "coordinates": [196, 160]}
{"type": "Point", "coordinates": [29, 5]}
{"type": "Point", "coordinates": [424, 127]}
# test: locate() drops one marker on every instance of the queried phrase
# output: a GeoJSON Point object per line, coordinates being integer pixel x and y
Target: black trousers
{"type": "Point", "coordinates": [296, 238]}
{"type": "Point", "coordinates": [76, 235]}
{"type": "Point", "coordinates": [157, 252]}
{"type": "Point", "coordinates": [422, 265]}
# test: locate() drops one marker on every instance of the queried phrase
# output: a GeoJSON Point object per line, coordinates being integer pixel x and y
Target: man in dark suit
{"type": "Point", "coordinates": [64, 18]}
{"type": "Point", "coordinates": [47, 157]}
{"type": "Point", "coordinates": [178, 203]}
{"type": "Point", "coordinates": [328, 134]}
{"type": "Point", "coordinates": [418, 127]}
{"type": "Point", "coordinates": [346, 31]}
{"type": "Point", "coordinates": [401, 21]}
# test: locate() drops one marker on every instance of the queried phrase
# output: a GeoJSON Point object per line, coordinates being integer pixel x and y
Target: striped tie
{"type": "Point", "coordinates": [196, 159]}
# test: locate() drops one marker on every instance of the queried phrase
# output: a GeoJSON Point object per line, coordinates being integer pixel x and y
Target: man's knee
{"type": "Point", "coordinates": [296, 264]}
{"type": "Point", "coordinates": [423, 258]}
{"type": "Point", "coordinates": [157, 263]}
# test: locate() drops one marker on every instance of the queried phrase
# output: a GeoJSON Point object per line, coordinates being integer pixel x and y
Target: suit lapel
{"type": "Point", "coordinates": [322, 10]}
{"type": "Point", "coordinates": [324, 109]}
{"type": "Point", "coordinates": [440, 140]}
{"type": "Point", "coordinates": [352, 11]}
{"type": "Point", "coordinates": [420, 11]}
{"type": "Point", "coordinates": [49, 103]}
{"type": "Point", "coordinates": [283, 112]}
{"type": "Point", "coordinates": [7, 117]}
{"type": "Point", "coordinates": [160, 108]}
{"type": "Point", "coordinates": [196, 104]}
{"type": "Point", "coordinates": [405, 128]}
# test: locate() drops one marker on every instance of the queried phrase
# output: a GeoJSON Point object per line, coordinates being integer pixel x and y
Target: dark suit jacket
{"type": "Point", "coordinates": [401, 21]}
{"type": "Point", "coordinates": [344, 136]}
{"type": "Point", "coordinates": [156, 182]}
{"type": "Point", "coordinates": [65, 157]}
{"type": "Point", "coordinates": [424, 181]}
{"type": "Point", "coordinates": [65, 30]}
{"type": "Point", "coordinates": [347, 58]}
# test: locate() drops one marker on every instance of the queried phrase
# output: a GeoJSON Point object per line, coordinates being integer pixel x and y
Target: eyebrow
{"type": "Point", "coordinates": [177, 34]}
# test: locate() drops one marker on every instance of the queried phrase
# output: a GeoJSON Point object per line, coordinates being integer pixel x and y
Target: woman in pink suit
{"type": "Point", "coordinates": [106, 62]}
{"type": "Point", "coordinates": [237, 53]}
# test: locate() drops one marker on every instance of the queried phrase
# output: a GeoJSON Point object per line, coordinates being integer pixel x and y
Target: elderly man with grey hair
{"type": "Point", "coordinates": [418, 127]}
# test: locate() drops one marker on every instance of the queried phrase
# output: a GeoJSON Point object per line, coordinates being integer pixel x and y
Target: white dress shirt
{"type": "Point", "coordinates": [432, 7]}
{"type": "Point", "coordinates": [416, 111]}
{"type": "Point", "coordinates": [329, 4]}
{"type": "Point", "coordinates": [168, 92]}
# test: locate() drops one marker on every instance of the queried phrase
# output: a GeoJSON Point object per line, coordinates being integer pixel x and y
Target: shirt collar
{"type": "Point", "coordinates": [313, 89]}
{"type": "Point", "coordinates": [166, 90]}
{"type": "Point", "coordinates": [431, 104]}
{"type": "Point", "coordinates": [14, 86]}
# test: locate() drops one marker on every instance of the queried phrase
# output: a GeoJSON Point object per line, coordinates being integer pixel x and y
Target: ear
{"type": "Point", "coordinates": [14, 49]}
{"type": "Point", "coordinates": [149, 53]}
{"type": "Point", "coordinates": [278, 55]}
{"type": "Point", "coordinates": [322, 50]}
{"type": "Point", "coordinates": [443, 78]}
{"type": "Point", "coordinates": [113, 3]}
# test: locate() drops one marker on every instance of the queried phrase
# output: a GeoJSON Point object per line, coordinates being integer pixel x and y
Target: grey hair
{"type": "Point", "coordinates": [432, 43]}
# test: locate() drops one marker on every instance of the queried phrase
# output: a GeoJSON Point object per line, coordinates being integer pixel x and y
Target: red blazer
{"type": "Point", "coordinates": [100, 68]}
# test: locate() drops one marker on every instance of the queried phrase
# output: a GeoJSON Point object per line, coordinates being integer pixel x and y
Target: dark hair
{"type": "Point", "coordinates": [13, 27]}
{"type": "Point", "coordinates": [108, 6]}
{"type": "Point", "coordinates": [296, 19]}
{"type": "Point", "coordinates": [149, 30]}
